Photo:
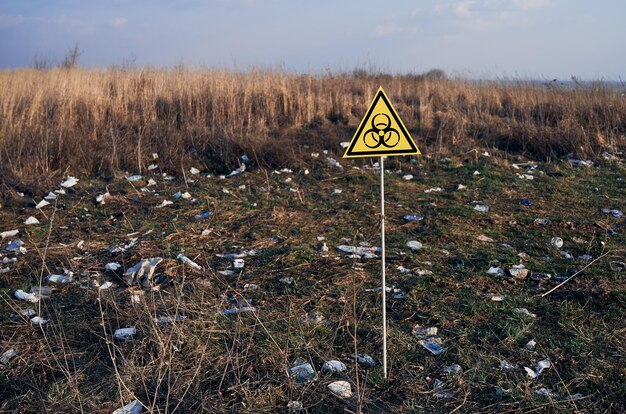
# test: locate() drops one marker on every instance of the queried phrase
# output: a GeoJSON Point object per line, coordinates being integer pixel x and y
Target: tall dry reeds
{"type": "Point", "coordinates": [103, 122]}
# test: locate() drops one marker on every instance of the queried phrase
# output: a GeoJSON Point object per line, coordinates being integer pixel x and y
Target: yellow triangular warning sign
{"type": "Point", "coordinates": [381, 132]}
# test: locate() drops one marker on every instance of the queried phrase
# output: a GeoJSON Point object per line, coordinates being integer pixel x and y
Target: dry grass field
{"type": "Point", "coordinates": [497, 145]}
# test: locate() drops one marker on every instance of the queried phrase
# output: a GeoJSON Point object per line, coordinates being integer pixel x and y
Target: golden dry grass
{"type": "Point", "coordinates": [102, 122]}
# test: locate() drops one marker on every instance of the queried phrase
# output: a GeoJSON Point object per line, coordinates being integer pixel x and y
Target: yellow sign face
{"type": "Point", "coordinates": [381, 132]}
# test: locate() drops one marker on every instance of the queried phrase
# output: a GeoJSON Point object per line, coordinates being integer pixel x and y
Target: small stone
{"type": "Point", "coordinates": [341, 389]}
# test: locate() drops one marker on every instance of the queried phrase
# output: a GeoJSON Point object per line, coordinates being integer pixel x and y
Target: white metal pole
{"type": "Point", "coordinates": [382, 231]}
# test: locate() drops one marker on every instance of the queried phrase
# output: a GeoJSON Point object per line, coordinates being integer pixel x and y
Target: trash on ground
{"type": "Point", "coordinates": [58, 279]}
{"type": "Point", "coordinates": [531, 345]}
{"type": "Point", "coordinates": [461, 187]}
{"type": "Point", "coordinates": [407, 177]}
{"type": "Point", "coordinates": [163, 320]}
{"type": "Point", "coordinates": [498, 271]}
{"type": "Point", "coordinates": [178, 195]}
{"type": "Point", "coordinates": [421, 332]}
{"type": "Point", "coordinates": [165, 203]}
{"type": "Point", "coordinates": [31, 220]}
{"type": "Point", "coordinates": [226, 272]}
{"type": "Point", "coordinates": [545, 392]}
{"type": "Point", "coordinates": [414, 245]}
{"type": "Point", "coordinates": [235, 311]}
{"type": "Point", "coordinates": [142, 272]}
{"type": "Point", "coordinates": [9, 233]}
{"type": "Point", "coordinates": [203, 215]}
{"type": "Point", "coordinates": [541, 221]}
{"type": "Point", "coordinates": [15, 246]}
{"type": "Point", "coordinates": [286, 280]}
{"type": "Point", "coordinates": [526, 201]}
{"type": "Point", "coordinates": [125, 333]}
{"type": "Point", "coordinates": [194, 171]}
{"type": "Point", "coordinates": [359, 252]}
{"type": "Point", "coordinates": [51, 196]}
{"type": "Point", "coordinates": [525, 312]}
{"type": "Point", "coordinates": [315, 317]}
{"type": "Point", "coordinates": [151, 183]}
{"type": "Point", "coordinates": [334, 367]}
{"type": "Point", "coordinates": [497, 298]}
{"type": "Point", "coordinates": [302, 371]}
{"type": "Point", "coordinates": [69, 182]}
{"type": "Point", "coordinates": [39, 321]}
{"type": "Point", "coordinates": [541, 365]}
{"type": "Point", "coordinates": [433, 344]}
{"type": "Point", "coordinates": [7, 356]}
{"type": "Point", "coordinates": [566, 255]}
{"type": "Point", "coordinates": [585, 257]}
{"type": "Point", "coordinates": [238, 263]}
{"type": "Point", "coordinates": [454, 369]}
{"type": "Point", "coordinates": [241, 255]}
{"type": "Point", "coordinates": [295, 406]}
{"type": "Point", "coordinates": [341, 389]}
{"type": "Point", "coordinates": [237, 171]}
{"type": "Point", "coordinates": [134, 178]}
{"type": "Point", "coordinates": [29, 297]}
{"type": "Point", "coordinates": [112, 267]}
{"type": "Point", "coordinates": [540, 277]}
{"type": "Point", "coordinates": [518, 271]}
{"type": "Point", "coordinates": [507, 366]}
{"type": "Point", "coordinates": [188, 261]}
{"type": "Point", "coordinates": [433, 190]}
{"type": "Point", "coordinates": [105, 285]}
{"type": "Point", "coordinates": [364, 360]}
{"type": "Point", "coordinates": [411, 217]}
{"type": "Point", "coordinates": [42, 204]}
{"type": "Point", "coordinates": [482, 208]}
{"type": "Point", "coordinates": [132, 242]}
{"type": "Point", "coordinates": [557, 242]}
{"type": "Point", "coordinates": [133, 407]}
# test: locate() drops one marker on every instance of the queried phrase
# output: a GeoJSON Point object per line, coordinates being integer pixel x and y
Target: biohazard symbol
{"type": "Point", "coordinates": [381, 132]}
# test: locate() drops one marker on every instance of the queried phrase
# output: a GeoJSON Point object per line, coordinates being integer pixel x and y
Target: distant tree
{"type": "Point", "coordinates": [436, 75]}
{"type": "Point", "coordinates": [40, 62]}
{"type": "Point", "coordinates": [71, 58]}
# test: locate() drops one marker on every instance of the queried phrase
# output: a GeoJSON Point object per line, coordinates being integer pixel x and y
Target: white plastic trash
{"type": "Point", "coordinates": [133, 407]}
{"type": "Point", "coordinates": [188, 261]}
{"type": "Point", "coordinates": [125, 333]}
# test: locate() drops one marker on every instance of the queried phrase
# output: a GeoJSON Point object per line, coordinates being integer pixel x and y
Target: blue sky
{"type": "Point", "coordinates": [542, 39]}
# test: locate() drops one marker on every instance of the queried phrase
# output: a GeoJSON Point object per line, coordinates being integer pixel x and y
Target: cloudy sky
{"type": "Point", "coordinates": [541, 39]}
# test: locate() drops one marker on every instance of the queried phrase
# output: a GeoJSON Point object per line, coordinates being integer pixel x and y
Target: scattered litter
{"type": "Point", "coordinates": [42, 204]}
{"type": "Point", "coordinates": [433, 344]}
{"type": "Point", "coordinates": [421, 332]}
{"type": "Point", "coordinates": [433, 190]}
{"type": "Point", "coordinates": [566, 255]}
{"type": "Point", "coordinates": [39, 321]}
{"type": "Point", "coordinates": [315, 317]}
{"type": "Point", "coordinates": [538, 369]}
{"type": "Point", "coordinates": [133, 407]}
{"type": "Point", "coordinates": [334, 367]}
{"type": "Point", "coordinates": [134, 178]}
{"type": "Point", "coordinates": [545, 392]}
{"type": "Point", "coordinates": [359, 252]}
{"type": "Point", "coordinates": [476, 172]}
{"type": "Point", "coordinates": [581, 163]}
{"type": "Point", "coordinates": [7, 356]}
{"type": "Point", "coordinates": [364, 360]}
{"type": "Point", "coordinates": [152, 167]}
{"type": "Point", "coordinates": [414, 245]}
{"type": "Point", "coordinates": [132, 242]}
{"type": "Point", "coordinates": [454, 369]}
{"type": "Point", "coordinates": [585, 257]}
{"type": "Point", "coordinates": [165, 203]}
{"type": "Point", "coordinates": [540, 277]}
{"type": "Point", "coordinates": [188, 261]}
{"type": "Point", "coordinates": [324, 248]}
{"type": "Point", "coordinates": [10, 233]}
{"type": "Point", "coordinates": [142, 272]}
{"type": "Point", "coordinates": [518, 271]}
{"type": "Point", "coordinates": [29, 297]}
{"type": "Point", "coordinates": [234, 311]}
{"type": "Point", "coordinates": [526, 202]}
{"type": "Point", "coordinates": [484, 238]}
{"type": "Point", "coordinates": [403, 269]}
{"type": "Point", "coordinates": [69, 182]}
{"type": "Point", "coordinates": [238, 263]}
{"type": "Point", "coordinates": [333, 163]}
{"type": "Point", "coordinates": [51, 196]}
{"type": "Point", "coordinates": [106, 285]}
{"type": "Point", "coordinates": [203, 215]}
{"type": "Point", "coordinates": [178, 195]}
{"type": "Point", "coordinates": [250, 287]}
{"type": "Point", "coordinates": [125, 333]}
{"type": "Point", "coordinates": [507, 366]}
{"type": "Point", "coordinates": [497, 298]}
{"type": "Point", "coordinates": [496, 271]}
{"type": "Point", "coordinates": [295, 406]}
{"type": "Point", "coordinates": [525, 312]}
{"type": "Point", "coordinates": [557, 242]}
{"type": "Point", "coordinates": [411, 217]}
{"type": "Point", "coordinates": [340, 389]}
{"type": "Point", "coordinates": [525, 177]}
{"type": "Point", "coordinates": [541, 221]}
{"type": "Point", "coordinates": [31, 220]}
{"type": "Point", "coordinates": [286, 280]}
{"type": "Point", "coordinates": [337, 191]}
{"type": "Point", "coordinates": [407, 177]}
{"type": "Point", "coordinates": [227, 272]}
{"type": "Point", "coordinates": [302, 371]}
{"type": "Point", "coordinates": [58, 279]}
{"type": "Point", "coordinates": [194, 171]}
{"type": "Point", "coordinates": [531, 345]}
{"type": "Point", "coordinates": [461, 187]}
{"type": "Point", "coordinates": [163, 320]}
{"type": "Point", "coordinates": [241, 255]}
{"type": "Point", "coordinates": [112, 267]}
{"type": "Point", "coordinates": [151, 183]}
{"type": "Point", "coordinates": [482, 208]}
{"type": "Point", "coordinates": [237, 171]}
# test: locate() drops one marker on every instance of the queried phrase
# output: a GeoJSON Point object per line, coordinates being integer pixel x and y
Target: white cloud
{"type": "Point", "coordinates": [119, 22]}
{"type": "Point", "coordinates": [531, 4]}
{"type": "Point", "coordinates": [386, 29]}
{"type": "Point", "coordinates": [10, 21]}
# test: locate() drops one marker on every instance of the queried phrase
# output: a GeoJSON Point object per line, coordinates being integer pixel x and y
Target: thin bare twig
{"type": "Point", "coordinates": [572, 276]}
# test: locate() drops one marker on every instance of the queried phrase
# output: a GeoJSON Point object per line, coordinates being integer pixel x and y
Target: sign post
{"type": "Point", "coordinates": [381, 133]}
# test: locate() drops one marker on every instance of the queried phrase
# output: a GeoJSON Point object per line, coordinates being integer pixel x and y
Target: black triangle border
{"type": "Point", "coordinates": [381, 95]}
